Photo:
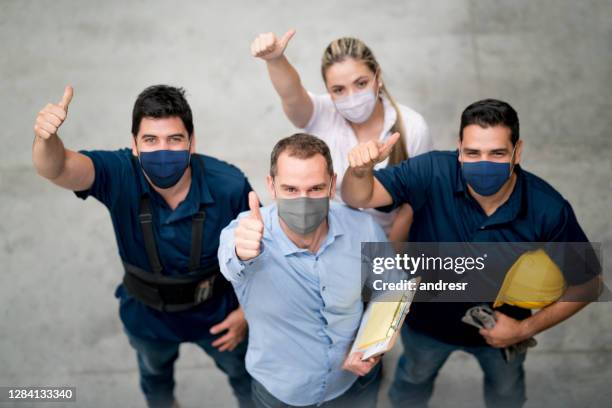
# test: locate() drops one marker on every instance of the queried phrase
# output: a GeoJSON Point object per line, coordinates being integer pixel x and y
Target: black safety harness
{"type": "Point", "coordinates": [171, 293]}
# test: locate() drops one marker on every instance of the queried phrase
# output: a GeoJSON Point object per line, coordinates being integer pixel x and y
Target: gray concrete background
{"type": "Point", "coordinates": [552, 60]}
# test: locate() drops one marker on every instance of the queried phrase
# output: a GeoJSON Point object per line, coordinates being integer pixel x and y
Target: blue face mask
{"type": "Point", "coordinates": [165, 167]}
{"type": "Point", "coordinates": [486, 177]}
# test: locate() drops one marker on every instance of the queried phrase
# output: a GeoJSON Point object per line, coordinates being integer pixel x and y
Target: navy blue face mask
{"type": "Point", "coordinates": [165, 167]}
{"type": "Point", "coordinates": [486, 177]}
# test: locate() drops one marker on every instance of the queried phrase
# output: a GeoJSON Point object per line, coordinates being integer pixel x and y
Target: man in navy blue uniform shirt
{"type": "Point", "coordinates": [168, 206]}
{"type": "Point", "coordinates": [478, 193]}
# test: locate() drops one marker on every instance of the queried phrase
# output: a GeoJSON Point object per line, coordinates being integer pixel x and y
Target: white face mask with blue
{"type": "Point", "coordinates": [487, 177]}
{"type": "Point", "coordinates": [359, 106]}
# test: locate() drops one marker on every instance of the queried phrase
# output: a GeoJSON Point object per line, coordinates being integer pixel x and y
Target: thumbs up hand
{"type": "Point", "coordinates": [365, 156]}
{"type": "Point", "coordinates": [248, 234]}
{"type": "Point", "coordinates": [268, 47]}
{"type": "Point", "coordinates": [51, 117]}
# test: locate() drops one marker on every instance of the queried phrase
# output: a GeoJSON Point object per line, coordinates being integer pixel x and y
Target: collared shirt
{"type": "Point", "coordinates": [327, 124]}
{"type": "Point", "coordinates": [303, 308]}
{"type": "Point", "coordinates": [221, 188]}
{"type": "Point", "coordinates": [444, 211]}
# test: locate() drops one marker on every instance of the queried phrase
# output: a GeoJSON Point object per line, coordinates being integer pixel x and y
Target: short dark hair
{"type": "Point", "coordinates": [162, 101]}
{"type": "Point", "coordinates": [491, 112]}
{"type": "Point", "coordinates": [302, 146]}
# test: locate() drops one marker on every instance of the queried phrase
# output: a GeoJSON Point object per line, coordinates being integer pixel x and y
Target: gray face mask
{"type": "Point", "coordinates": [303, 214]}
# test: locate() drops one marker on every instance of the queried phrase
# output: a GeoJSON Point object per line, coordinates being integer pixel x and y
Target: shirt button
{"type": "Point", "coordinates": [323, 289]}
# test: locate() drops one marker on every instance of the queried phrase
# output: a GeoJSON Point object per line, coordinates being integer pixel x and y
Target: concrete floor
{"type": "Point", "coordinates": [551, 59]}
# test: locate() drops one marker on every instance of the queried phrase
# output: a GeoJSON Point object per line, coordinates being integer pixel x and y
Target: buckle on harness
{"type": "Point", "coordinates": [204, 290]}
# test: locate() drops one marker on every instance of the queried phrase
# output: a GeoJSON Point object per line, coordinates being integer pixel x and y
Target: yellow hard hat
{"type": "Point", "coordinates": [534, 281]}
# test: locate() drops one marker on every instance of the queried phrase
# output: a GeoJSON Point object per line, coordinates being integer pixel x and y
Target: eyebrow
{"type": "Point", "coordinates": [174, 135]}
{"type": "Point", "coordinates": [361, 78]}
{"type": "Point", "coordinates": [316, 185]}
{"type": "Point", "coordinates": [472, 150]}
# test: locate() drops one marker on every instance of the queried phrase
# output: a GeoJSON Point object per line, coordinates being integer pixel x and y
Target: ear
{"type": "Point", "coordinates": [378, 78]}
{"type": "Point", "coordinates": [518, 151]}
{"type": "Point", "coordinates": [134, 149]}
{"type": "Point", "coordinates": [332, 194]}
{"type": "Point", "coordinates": [192, 144]}
{"type": "Point", "coordinates": [270, 186]}
{"type": "Point", "coordinates": [459, 150]}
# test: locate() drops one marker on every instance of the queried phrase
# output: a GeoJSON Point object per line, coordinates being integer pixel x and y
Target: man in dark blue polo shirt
{"type": "Point", "coordinates": [478, 193]}
{"type": "Point", "coordinates": [168, 206]}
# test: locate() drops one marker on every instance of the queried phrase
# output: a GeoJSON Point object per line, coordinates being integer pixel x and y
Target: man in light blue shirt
{"type": "Point", "coordinates": [296, 268]}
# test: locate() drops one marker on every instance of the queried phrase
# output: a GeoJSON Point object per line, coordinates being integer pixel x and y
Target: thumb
{"type": "Point", "coordinates": [285, 39]}
{"type": "Point", "coordinates": [68, 93]}
{"type": "Point", "coordinates": [358, 355]}
{"type": "Point", "coordinates": [385, 149]}
{"type": "Point", "coordinates": [254, 206]}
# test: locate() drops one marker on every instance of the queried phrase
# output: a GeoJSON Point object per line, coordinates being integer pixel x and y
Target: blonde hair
{"type": "Point", "coordinates": [348, 47]}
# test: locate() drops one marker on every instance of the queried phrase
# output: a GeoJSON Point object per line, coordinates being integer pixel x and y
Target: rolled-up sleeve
{"type": "Point", "coordinates": [231, 267]}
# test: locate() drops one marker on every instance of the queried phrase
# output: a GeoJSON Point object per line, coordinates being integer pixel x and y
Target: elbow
{"type": "Point", "coordinates": [294, 113]}
{"type": "Point", "coordinates": [353, 196]}
{"type": "Point", "coordinates": [353, 200]}
{"type": "Point", "coordinates": [300, 124]}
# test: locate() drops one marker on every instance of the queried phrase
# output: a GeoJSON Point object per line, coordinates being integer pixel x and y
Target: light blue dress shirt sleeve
{"type": "Point", "coordinates": [232, 268]}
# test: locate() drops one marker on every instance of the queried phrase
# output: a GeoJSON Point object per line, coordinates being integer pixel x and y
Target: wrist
{"type": "Point", "coordinates": [248, 261]}
{"type": "Point", "coordinates": [277, 61]}
{"type": "Point", "coordinates": [363, 172]}
{"type": "Point", "coordinates": [526, 329]}
{"type": "Point", "coordinates": [238, 258]}
{"type": "Point", "coordinates": [38, 138]}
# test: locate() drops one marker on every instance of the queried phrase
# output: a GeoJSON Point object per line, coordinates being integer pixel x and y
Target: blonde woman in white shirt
{"type": "Point", "coordinates": [356, 108]}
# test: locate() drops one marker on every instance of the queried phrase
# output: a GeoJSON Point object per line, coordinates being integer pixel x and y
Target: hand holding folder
{"type": "Point", "coordinates": [381, 322]}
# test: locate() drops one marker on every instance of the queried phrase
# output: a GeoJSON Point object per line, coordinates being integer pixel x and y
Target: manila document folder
{"type": "Point", "coordinates": [381, 322]}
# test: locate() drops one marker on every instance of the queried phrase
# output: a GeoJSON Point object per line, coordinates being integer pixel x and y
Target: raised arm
{"type": "Point", "coordinates": [296, 102]}
{"type": "Point", "coordinates": [359, 187]}
{"type": "Point", "coordinates": [240, 242]}
{"type": "Point", "coordinates": [66, 168]}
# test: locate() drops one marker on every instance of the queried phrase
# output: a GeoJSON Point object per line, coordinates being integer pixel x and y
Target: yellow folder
{"type": "Point", "coordinates": [381, 322]}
